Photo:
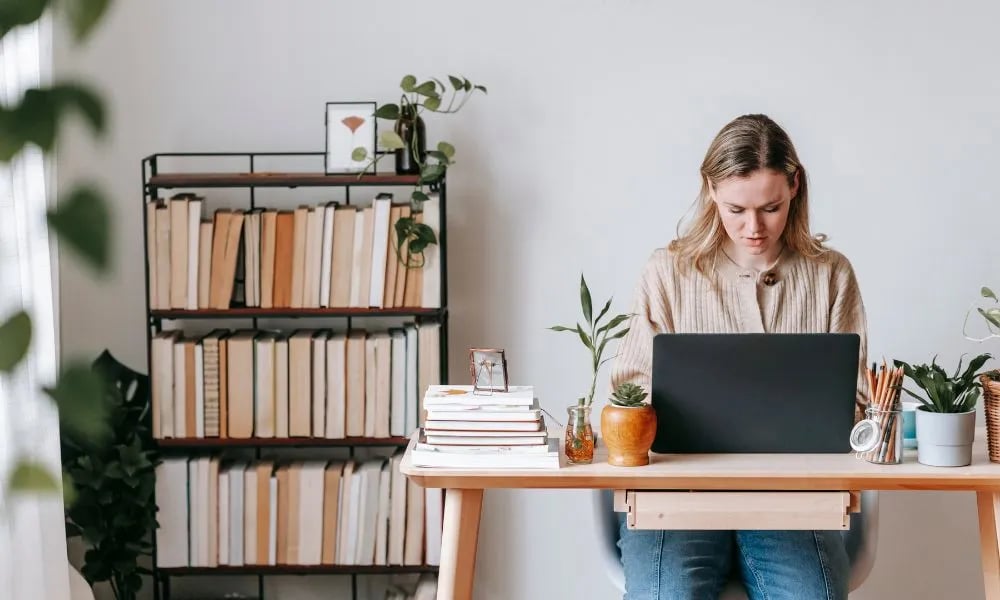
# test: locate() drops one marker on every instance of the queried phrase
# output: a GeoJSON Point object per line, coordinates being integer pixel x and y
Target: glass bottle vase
{"type": "Point", "coordinates": [408, 158]}
{"type": "Point", "coordinates": [579, 444]}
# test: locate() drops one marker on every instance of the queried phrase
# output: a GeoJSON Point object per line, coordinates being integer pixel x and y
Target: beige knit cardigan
{"type": "Point", "coordinates": [796, 294]}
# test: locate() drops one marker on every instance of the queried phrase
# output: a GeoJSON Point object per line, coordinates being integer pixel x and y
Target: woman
{"type": "Point", "coordinates": [746, 263]}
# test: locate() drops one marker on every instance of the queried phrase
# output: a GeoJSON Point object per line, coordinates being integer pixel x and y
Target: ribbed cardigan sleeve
{"type": "Point", "coordinates": [651, 315]}
{"type": "Point", "coordinates": [847, 315]}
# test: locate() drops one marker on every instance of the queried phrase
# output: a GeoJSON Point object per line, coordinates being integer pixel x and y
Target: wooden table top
{"type": "Point", "coordinates": [727, 472]}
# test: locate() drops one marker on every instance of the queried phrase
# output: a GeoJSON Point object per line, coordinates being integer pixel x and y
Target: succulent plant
{"type": "Point", "coordinates": [628, 395]}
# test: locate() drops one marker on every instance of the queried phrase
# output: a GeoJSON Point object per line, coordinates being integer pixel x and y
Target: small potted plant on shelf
{"type": "Point", "coordinates": [628, 426]}
{"type": "Point", "coordinates": [579, 443]}
{"type": "Point", "coordinates": [407, 139]}
{"type": "Point", "coordinates": [990, 380]}
{"type": "Point", "coordinates": [946, 418]}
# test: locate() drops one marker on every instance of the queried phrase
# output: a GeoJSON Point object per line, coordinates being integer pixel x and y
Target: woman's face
{"type": "Point", "coordinates": [754, 209]}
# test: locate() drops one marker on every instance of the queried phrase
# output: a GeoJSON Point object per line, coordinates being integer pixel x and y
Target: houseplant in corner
{"type": "Point", "coordinates": [579, 443]}
{"type": "Point", "coordinates": [628, 426]}
{"type": "Point", "coordinates": [990, 380]}
{"type": "Point", "coordinates": [946, 418]}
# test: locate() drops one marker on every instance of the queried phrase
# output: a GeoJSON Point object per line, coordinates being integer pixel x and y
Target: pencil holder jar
{"type": "Point", "coordinates": [881, 438]}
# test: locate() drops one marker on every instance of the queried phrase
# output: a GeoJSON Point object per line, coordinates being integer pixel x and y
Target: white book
{"type": "Point", "coordinates": [272, 552]}
{"type": "Point", "coordinates": [382, 517]}
{"type": "Point", "coordinates": [485, 413]}
{"type": "Point", "coordinates": [319, 383]}
{"type": "Point", "coordinates": [193, 252]}
{"type": "Point", "coordinates": [162, 349]}
{"type": "Point", "coordinates": [486, 438]}
{"type": "Point", "coordinates": [397, 512]}
{"type": "Point", "coordinates": [336, 386]}
{"type": "Point", "coordinates": [484, 459]}
{"type": "Point", "coordinates": [180, 385]}
{"type": "Point", "coordinates": [436, 426]}
{"type": "Point", "coordinates": [344, 512]}
{"type": "Point", "coordinates": [431, 293]}
{"type": "Point", "coordinates": [281, 387]}
{"type": "Point", "coordinates": [443, 395]}
{"type": "Point", "coordinates": [264, 385]}
{"type": "Point", "coordinates": [412, 409]}
{"type": "Point", "coordinates": [397, 384]}
{"type": "Point", "coordinates": [357, 295]}
{"type": "Point", "coordinates": [311, 512]}
{"type": "Point", "coordinates": [326, 266]}
{"type": "Point", "coordinates": [434, 514]}
{"type": "Point", "coordinates": [371, 385]}
{"type": "Point", "coordinates": [380, 246]}
{"type": "Point", "coordinates": [194, 504]}
{"type": "Point", "coordinates": [204, 506]}
{"type": "Point", "coordinates": [223, 515]}
{"type": "Point", "coordinates": [236, 514]}
{"type": "Point", "coordinates": [199, 390]}
{"type": "Point", "coordinates": [171, 488]}
{"type": "Point", "coordinates": [314, 245]}
{"type": "Point", "coordinates": [368, 519]}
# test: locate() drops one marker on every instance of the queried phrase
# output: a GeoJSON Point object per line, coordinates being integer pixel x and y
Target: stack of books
{"type": "Point", "coordinates": [475, 429]}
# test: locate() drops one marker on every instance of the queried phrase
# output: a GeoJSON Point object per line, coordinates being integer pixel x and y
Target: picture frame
{"type": "Point", "coordinates": [349, 125]}
{"type": "Point", "coordinates": [488, 368]}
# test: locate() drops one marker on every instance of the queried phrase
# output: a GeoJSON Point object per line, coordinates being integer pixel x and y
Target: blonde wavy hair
{"type": "Point", "coordinates": [745, 145]}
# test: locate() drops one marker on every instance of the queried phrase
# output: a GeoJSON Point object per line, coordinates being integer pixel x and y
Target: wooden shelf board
{"type": "Point", "coordinates": [302, 442]}
{"type": "Point", "coordinates": [298, 570]}
{"type": "Point", "coordinates": [275, 179]}
{"type": "Point", "coordinates": [249, 312]}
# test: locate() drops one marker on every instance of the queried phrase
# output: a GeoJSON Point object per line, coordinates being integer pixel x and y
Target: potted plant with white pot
{"type": "Point", "coordinates": [946, 417]}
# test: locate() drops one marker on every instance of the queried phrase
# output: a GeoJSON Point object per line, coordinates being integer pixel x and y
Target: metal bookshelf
{"type": "Point", "coordinates": [156, 179]}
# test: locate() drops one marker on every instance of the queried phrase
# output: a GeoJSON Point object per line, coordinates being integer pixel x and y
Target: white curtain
{"type": "Point", "coordinates": [32, 535]}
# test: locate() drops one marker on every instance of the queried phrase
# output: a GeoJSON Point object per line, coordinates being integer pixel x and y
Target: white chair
{"type": "Point", "coordinates": [861, 540]}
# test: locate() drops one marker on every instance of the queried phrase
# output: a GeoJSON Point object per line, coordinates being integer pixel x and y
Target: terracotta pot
{"type": "Point", "coordinates": [628, 433]}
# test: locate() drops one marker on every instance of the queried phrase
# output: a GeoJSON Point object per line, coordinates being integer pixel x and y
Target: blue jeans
{"type": "Point", "coordinates": [696, 565]}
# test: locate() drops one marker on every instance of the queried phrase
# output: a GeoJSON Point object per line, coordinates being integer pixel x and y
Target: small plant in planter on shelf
{"type": "Point", "coordinates": [407, 140]}
{"type": "Point", "coordinates": [946, 418]}
{"type": "Point", "coordinates": [990, 380]}
{"type": "Point", "coordinates": [628, 425]}
{"type": "Point", "coordinates": [579, 446]}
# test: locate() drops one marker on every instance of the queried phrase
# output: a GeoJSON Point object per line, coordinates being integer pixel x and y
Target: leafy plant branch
{"type": "Point", "coordinates": [595, 336]}
{"type": "Point", "coordinates": [990, 315]}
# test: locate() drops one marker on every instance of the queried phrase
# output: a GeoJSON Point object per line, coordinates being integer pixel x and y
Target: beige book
{"type": "Point", "coordinates": [178, 252]}
{"type": "Point", "coordinates": [300, 234]}
{"type": "Point", "coordinates": [250, 488]}
{"type": "Point", "coordinates": [284, 250]}
{"type": "Point", "coordinates": [381, 208]}
{"type": "Point", "coordinates": [391, 260]}
{"type": "Point", "coordinates": [205, 262]}
{"type": "Point", "coordinates": [413, 544]}
{"type": "Point", "coordinates": [402, 272]}
{"type": "Point", "coordinates": [180, 389]}
{"type": "Point", "coordinates": [193, 252]}
{"type": "Point", "coordinates": [383, 383]}
{"type": "Point", "coordinates": [343, 256]}
{"type": "Point", "coordinates": [371, 384]}
{"type": "Point", "coordinates": [171, 485]}
{"type": "Point", "coordinates": [336, 386]}
{"type": "Point", "coordinates": [326, 254]}
{"type": "Point", "coordinates": [162, 388]}
{"type": "Point", "coordinates": [412, 297]}
{"type": "Point", "coordinates": [241, 384]}
{"type": "Point", "coordinates": [311, 479]}
{"type": "Point", "coordinates": [224, 387]}
{"type": "Point", "coordinates": [211, 370]}
{"type": "Point", "coordinates": [382, 516]}
{"type": "Point", "coordinates": [319, 383]}
{"type": "Point", "coordinates": [263, 516]}
{"type": "Point", "coordinates": [357, 259]}
{"type": "Point", "coordinates": [268, 244]}
{"type": "Point", "coordinates": [163, 251]}
{"type": "Point", "coordinates": [367, 243]}
{"type": "Point", "coordinates": [300, 384]}
{"type": "Point", "coordinates": [224, 278]}
{"type": "Point", "coordinates": [314, 257]}
{"type": "Point", "coordinates": [264, 378]}
{"type": "Point", "coordinates": [429, 362]}
{"type": "Point", "coordinates": [344, 519]}
{"type": "Point", "coordinates": [221, 221]}
{"type": "Point", "coordinates": [284, 492]}
{"type": "Point", "coordinates": [397, 512]}
{"type": "Point", "coordinates": [294, 512]}
{"type": "Point", "coordinates": [355, 414]}
{"type": "Point", "coordinates": [151, 279]}
{"type": "Point", "coordinates": [190, 390]}
{"type": "Point", "coordinates": [212, 513]}
{"type": "Point", "coordinates": [331, 497]}
{"type": "Point", "coordinates": [281, 387]}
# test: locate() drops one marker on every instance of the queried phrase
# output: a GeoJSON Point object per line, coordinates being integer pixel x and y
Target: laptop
{"type": "Point", "coordinates": [754, 392]}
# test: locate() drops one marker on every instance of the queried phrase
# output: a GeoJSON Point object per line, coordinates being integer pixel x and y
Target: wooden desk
{"type": "Point", "coordinates": [762, 472]}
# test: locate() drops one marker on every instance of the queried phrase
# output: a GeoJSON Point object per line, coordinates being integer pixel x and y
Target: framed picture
{"type": "Point", "coordinates": [349, 125]}
{"type": "Point", "coordinates": [488, 367]}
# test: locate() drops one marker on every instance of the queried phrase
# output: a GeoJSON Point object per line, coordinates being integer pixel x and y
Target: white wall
{"type": "Point", "coordinates": [582, 157]}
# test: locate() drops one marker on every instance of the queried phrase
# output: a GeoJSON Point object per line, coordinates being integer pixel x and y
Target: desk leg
{"type": "Point", "coordinates": [462, 509]}
{"type": "Point", "coordinates": [989, 532]}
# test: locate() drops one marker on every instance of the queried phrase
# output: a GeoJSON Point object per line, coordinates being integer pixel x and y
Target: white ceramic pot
{"type": "Point", "coordinates": [945, 439]}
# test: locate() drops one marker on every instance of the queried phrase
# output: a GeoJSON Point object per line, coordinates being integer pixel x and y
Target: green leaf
{"type": "Point", "coordinates": [426, 89]}
{"type": "Point", "coordinates": [562, 328]}
{"type": "Point", "coordinates": [988, 293]}
{"type": "Point", "coordinates": [446, 149]}
{"type": "Point", "coordinates": [418, 196]}
{"type": "Point", "coordinates": [615, 322]}
{"type": "Point", "coordinates": [391, 140]}
{"type": "Point", "coordinates": [69, 491]}
{"type": "Point", "coordinates": [388, 111]}
{"type": "Point", "coordinates": [992, 315]}
{"type": "Point", "coordinates": [481, 88]}
{"type": "Point", "coordinates": [438, 155]}
{"type": "Point", "coordinates": [423, 237]}
{"type": "Point", "coordinates": [584, 338]}
{"type": "Point", "coordinates": [585, 300]}
{"type": "Point", "coordinates": [432, 103]}
{"type": "Point", "coordinates": [75, 96]}
{"type": "Point", "coordinates": [603, 312]}
{"type": "Point", "coordinates": [84, 15]}
{"type": "Point", "coordinates": [15, 339]}
{"type": "Point", "coordinates": [431, 173]}
{"type": "Point", "coordinates": [20, 12]}
{"type": "Point", "coordinates": [359, 154]}
{"type": "Point", "coordinates": [83, 222]}
{"type": "Point", "coordinates": [408, 83]}
{"type": "Point", "coordinates": [80, 395]}
{"type": "Point", "coordinates": [30, 476]}
{"type": "Point", "coordinates": [456, 82]}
